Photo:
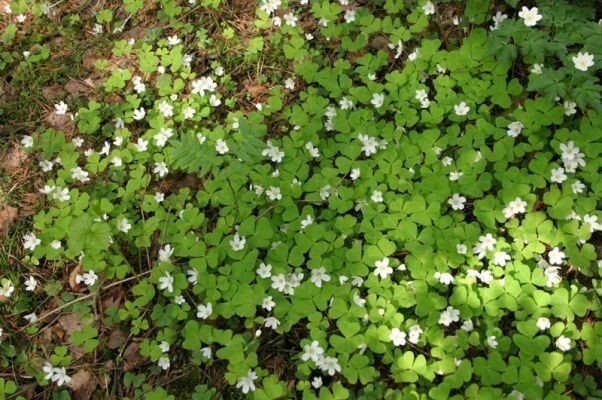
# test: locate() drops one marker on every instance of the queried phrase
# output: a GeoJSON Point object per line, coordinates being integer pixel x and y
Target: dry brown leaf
{"type": "Point", "coordinates": [8, 216]}
{"type": "Point", "coordinates": [73, 279]}
{"type": "Point", "coordinates": [52, 92]}
{"type": "Point", "coordinates": [132, 357]}
{"type": "Point", "coordinates": [59, 122]}
{"type": "Point", "coordinates": [15, 159]}
{"type": "Point", "coordinates": [117, 339]}
{"type": "Point", "coordinates": [83, 384]}
{"type": "Point", "coordinates": [76, 88]}
{"type": "Point", "coordinates": [71, 323]}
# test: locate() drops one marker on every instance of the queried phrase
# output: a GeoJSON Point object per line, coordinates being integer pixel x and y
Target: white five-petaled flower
{"type": "Point", "coordinates": [369, 144]}
{"type": "Point", "coordinates": [501, 258]}
{"type": "Point", "coordinates": [445, 278]}
{"type": "Point", "coordinates": [312, 352]}
{"type": "Point", "coordinates": [165, 253]}
{"type": "Point", "coordinates": [247, 383]}
{"type": "Point", "coordinates": [583, 61]}
{"type": "Point", "coordinates": [87, 278]}
{"type": "Point", "coordinates": [516, 206]}
{"type": "Point", "coordinates": [543, 323]}
{"type": "Point", "coordinates": [30, 241]}
{"type": "Point", "coordinates": [556, 256]}
{"type": "Point", "coordinates": [30, 284]}
{"type": "Point", "coordinates": [274, 193]}
{"type": "Point", "coordinates": [264, 270]}
{"type": "Point", "coordinates": [60, 377]}
{"type": "Point", "coordinates": [204, 311]}
{"type": "Point", "coordinates": [161, 137]}
{"type": "Point", "coordinates": [428, 8]}
{"type": "Point", "coordinates": [377, 196]}
{"type": "Point", "coordinates": [79, 174]}
{"type": "Point", "coordinates": [166, 282]}
{"type": "Point", "coordinates": [139, 113]}
{"type": "Point", "coordinates": [318, 276]}
{"type": "Point", "coordinates": [329, 365]}
{"type": "Point", "coordinates": [60, 108]}
{"type": "Point", "coordinates": [449, 315]}
{"type": "Point", "coordinates": [530, 16]}
{"type": "Point", "coordinates": [515, 128]}
{"type": "Point", "coordinates": [558, 175]}
{"type": "Point", "coordinates": [273, 152]}
{"type": "Point", "coordinates": [272, 322]}
{"type": "Point", "coordinates": [163, 362]}
{"type": "Point", "coordinates": [382, 268]}
{"type": "Point", "coordinates": [161, 169]}
{"type": "Point", "coordinates": [563, 343]}
{"type": "Point", "coordinates": [377, 100]}
{"type": "Point", "coordinates": [461, 109]}
{"type": "Point", "coordinates": [238, 242]}
{"type": "Point", "coordinates": [397, 337]}
{"type": "Point", "coordinates": [205, 83]}
{"type": "Point", "coordinates": [221, 146]}
{"type": "Point", "coordinates": [456, 201]}
{"type": "Point", "coordinates": [123, 225]}
{"type": "Point", "coordinates": [492, 341]}
{"type": "Point", "coordinates": [267, 303]}
{"type": "Point", "coordinates": [317, 382]}
{"type": "Point", "coordinates": [307, 221]}
{"type": "Point", "coordinates": [141, 145]}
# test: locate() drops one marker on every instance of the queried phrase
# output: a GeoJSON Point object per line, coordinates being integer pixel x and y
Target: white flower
{"type": "Point", "coordinates": [456, 201]}
{"type": "Point", "coordinates": [461, 109]}
{"type": "Point", "coordinates": [290, 19]}
{"type": "Point", "coordinates": [166, 282]}
{"type": "Point", "coordinates": [139, 113]}
{"type": "Point", "coordinates": [141, 145]}
{"type": "Point", "coordinates": [123, 225]}
{"type": "Point", "coordinates": [221, 146]}
{"type": "Point", "coordinates": [570, 108]}
{"type": "Point", "coordinates": [317, 382]}
{"type": "Point", "coordinates": [30, 284]}
{"type": "Point", "coordinates": [501, 258]}
{"type": "Point", "coordinates": [116, 161]}
{"type": "Point", "coordinates": [498, 18]}
{"type": "Point", "coordinates": [349, 16]}
{"type": "Point", "coordinates": [247, 383]}
{"type": "Point", "coordinates": [79, 174]}
{"type": "Point", "coordinates": [467, 326]}
{"type": "Point", "coordinates": [30, 241]}
{"type": "Point", "coordinates": [414, 334]}
{"type": "Point", "coordinates": [166, 109]}
{"type": "Point", "coordinates": [556, 256]}
{"type": "Point", "coordinates": [357, 299]}
{"type": "Point", "coordinates": [325, 192]}
{"type": "Point", "coordinates": [543, 323]}
{"type": "Point", "coordinates": [77, 141]}
{"type": "Point", "coordinates": [377, 196]}
{"type": "Point", "coordinates": [369, 144]}
{"type": "Point", "coordinates": [318, 276]}
{"type": "Point", "coordinates": [164, 346]}
{"type": "Point", "coordinates": [485, 276]}
{"type": "Point", "coordinates": [269, 6]}
{"type": "Point", "coordinates": [428, 8]}
{"type": "Point", "coordinates": [530, 16]}
{"type": "Point", "coordinates": [488, 241]}
{"type": "Point", "coordinates": [56, 244]}
{"type": "Point", "coordinates": [307, 221]}
{"type": "Point", "coordinates": [537, 69]}
{"type": "Point", "coordinates": [267, 303]}
{"type": "Point", "coordinates": [272, 322]}
{"type": "Point", "coordinates": [558, 175]}
{"type": "Point", "coordinates": [313, 151]}
{"type": "Point", "coordinates": [346, 104]}
{"type": "Point", "coordinates": [188, 112]}
{"type": "Point", "coordinates": [312, 352]}
{"type": "Point", "coordinates": [48, 370]}
{"type": "Point", "coordinates": [173, 40]}
{"type": "Point", "coordinates": [461, 248]}
{"type": "Point", "coordinates": [445, 278]}
{"type": "Point", "coordinates": [455, 175]}
{"type": "Point", "coordinates": [206, 352]}
{"type": "Point", "coordinates": [203, 84]}
{"type": "Point", "coordinates": [59, 375]}
{"type": "Point", "coordinates": [162, 136]}
{"type": "Point", "coordinates": [377, 100]}
{"type": "Point", "coordinates": [161, 169]}
{"type": "Point", "coordinates": [274, 193]}
{"type": "Point", "coordinates": [563, 343]}
{"type": "Point", "coordinates": [7, 288]}
{"type": "Point", "coordinates": [397, 337]}
{"type": "Point", "coordinates": [163, 362]}
{"type": "Point", "coordinates": [264, 270]}
{"type": "Point", "coordinates": [27, 141]}
{"type": "Point", "coordinates": [577, 187]}
{"type": "Point", "coordinates": [449, 315]}
{"type": "Point", "coordinates": [159, 197]}
{"type": "Point", "coordinates": [413, 56]}
{"type": "Point", "coordinates": [515, 128]}
{"type": "Point", "coordinates": [31, 318]}
{"type": "Point", "coordinates": [382, 268]}
{"type": "Point", "coordinates": [329, 365]}
{"type": "Point", "coordinates": [87, 278]}
{"type": "Point", "coordinates": [492, 342]}
{"type": "Point", "coordinates": [355, 173]}
{"type": "Point", "coordinates": [583, 61]}
{"type": "Point", "coordinates": [238, 242]}
{"type": "Point", "coordinates": [516, 206]}
{"type": "Point", "coordinates": [273, 152]}
{"type": "Point", "coordinates": [204, 311]}
{"type": "Point", "coordinates": [179, 300]}
{"type": "Point", "coordinates": [60, 108]}
{"type": "Point", "coordinates": [289, 84]}
{"type": "Point", "coordinates": [592, 221]}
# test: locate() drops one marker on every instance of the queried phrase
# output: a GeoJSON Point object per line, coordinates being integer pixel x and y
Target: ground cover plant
{"type": "Point", "coordinates": [312, 199]}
